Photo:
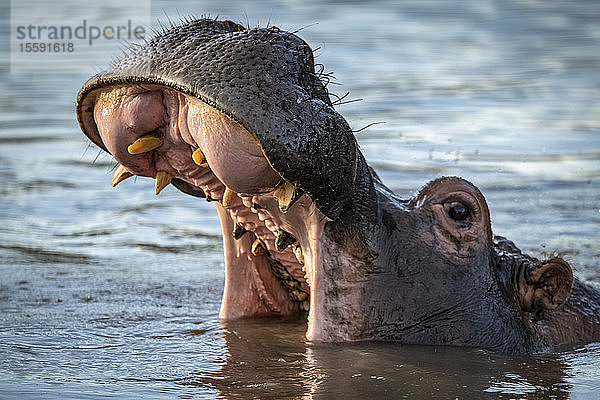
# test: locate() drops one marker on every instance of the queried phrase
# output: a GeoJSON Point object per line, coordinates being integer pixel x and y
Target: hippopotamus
{"type": "Point", "coordinates": [240, 117]}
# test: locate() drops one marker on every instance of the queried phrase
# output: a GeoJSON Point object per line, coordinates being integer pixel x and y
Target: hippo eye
{"type": "Point", "coordinates": [458, 211]}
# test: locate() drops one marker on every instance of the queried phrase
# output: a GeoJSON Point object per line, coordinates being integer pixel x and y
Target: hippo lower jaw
{"type": "Point", "coordinates": [272, 233]}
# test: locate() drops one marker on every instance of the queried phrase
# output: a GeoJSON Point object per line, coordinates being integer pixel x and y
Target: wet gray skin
{"type": "Point", "coordinates": [240, 117]}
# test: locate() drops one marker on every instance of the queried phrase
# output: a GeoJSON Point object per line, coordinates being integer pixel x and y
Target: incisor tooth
{"type": "Point", "coordinates": [162, 180]}
{"type": "Point", "coordinates": [299, 255]}
{"type": "Point", "coordinates": [284, 194]}
{"type": "Point", "coordinates": [228, 197]}
{"type": "Point", "coordinates": [145, 144]}
{"type": "Point", "coordinates": [120, 175]}
{"type": "Point", "coordinates": [198, 156]}
{"type": "Point", "coordinates": [258, 247]}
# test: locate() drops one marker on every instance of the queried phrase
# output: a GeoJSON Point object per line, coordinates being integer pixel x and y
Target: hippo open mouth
{"type": "Point", "coordinates": [270, 228]}
{"type": "Point", "coordinates": [240, 117]}
{"type": "Point", "coordinates": [228, 130]}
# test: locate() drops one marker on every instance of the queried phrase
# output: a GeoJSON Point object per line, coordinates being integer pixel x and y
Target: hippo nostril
{"type": "Point", "coordinates": [458, 211]}
{"type": "Point", "coordinates": [146, 143]}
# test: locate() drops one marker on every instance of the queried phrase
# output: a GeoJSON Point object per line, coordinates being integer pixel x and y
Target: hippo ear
{"type": "Point", "coordinates": [546, 286]}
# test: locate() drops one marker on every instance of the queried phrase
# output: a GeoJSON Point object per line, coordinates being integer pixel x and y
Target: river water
{"type": "Point", "coordinates": [115, 293]}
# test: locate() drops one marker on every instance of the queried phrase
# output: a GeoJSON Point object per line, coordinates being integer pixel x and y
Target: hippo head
{"type": "Point", "coordinates": [240, 117]}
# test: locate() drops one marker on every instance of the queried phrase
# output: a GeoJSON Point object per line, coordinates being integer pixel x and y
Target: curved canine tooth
{"type": "Point", "coordinates": [145, 144]}
{"type": "Point", "coordinates": [162, 180]}
{"type": "Point", "coordinates": [284, 193]}
{"type": "Point", "coordinates": [258, 247]}
{"type": "Point", "coordinates": [228, 197]}
{"type": "Point", "coordinates": [299, 255]}
{"type": "Point", "coordinates": [120, 175]}
{"type": "Point", "coordinates": [238, 230]}
{"type": "Point", "coordinates": [198, 156]}
{"type": "Point", "coordinates": [283, 240]}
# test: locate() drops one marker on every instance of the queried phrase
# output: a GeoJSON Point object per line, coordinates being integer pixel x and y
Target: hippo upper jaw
{"type": "Point", "coordinates": [263, 79]}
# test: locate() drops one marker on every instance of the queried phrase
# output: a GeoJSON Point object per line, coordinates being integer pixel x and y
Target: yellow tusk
{"type": "Point", "coordinates": [228, 197]}
{"type": "Point", "coordinates": [145, 144]}
{"type": "Point", "coordinates": [162, 180]}
{"type": "Point", "coordinates": [258, 247]}
{"type": "Point", "coordinates": [284, 194]}
{"type": "Point", "coordinates": [198, 156]}
{"type": "Point", "coordinates": [120, 175]}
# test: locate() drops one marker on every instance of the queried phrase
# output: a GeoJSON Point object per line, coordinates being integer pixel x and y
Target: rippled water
{"type": "Point", "coordinates": [109, 292]}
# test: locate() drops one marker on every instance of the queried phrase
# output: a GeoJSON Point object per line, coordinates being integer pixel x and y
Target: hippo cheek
{"type": "Point", "coordinates": [232, 152]}
{"type": "Point", "coordinates": [123, 115]}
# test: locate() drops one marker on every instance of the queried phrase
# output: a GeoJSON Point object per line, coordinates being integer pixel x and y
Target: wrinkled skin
{"type": "Point", "coordinates": [365, 264]}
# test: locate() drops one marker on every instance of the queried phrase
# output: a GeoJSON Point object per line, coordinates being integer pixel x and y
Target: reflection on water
{"type": "Point", "coordinates": [269, 359]}
{"type": "Point", "coordinates": [116, 292]}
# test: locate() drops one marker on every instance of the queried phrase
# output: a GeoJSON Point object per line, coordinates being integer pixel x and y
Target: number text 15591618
{"type": "Point", "coordinates": [41, 47]}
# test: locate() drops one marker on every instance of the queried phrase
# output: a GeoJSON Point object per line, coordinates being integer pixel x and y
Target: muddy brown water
{"type": "Point", "coordinates": [115, 293]}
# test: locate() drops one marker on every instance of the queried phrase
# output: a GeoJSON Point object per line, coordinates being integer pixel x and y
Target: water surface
{"type": "Point", "coordinates": [115, 293]}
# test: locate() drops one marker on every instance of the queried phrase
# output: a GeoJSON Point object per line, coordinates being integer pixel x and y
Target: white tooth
{"type": "Point", "coordinates": [306, 274]}
{"type": "Point", "coordinates": [228, 197]}
{"type": "Point", "coordinates": [299, 255]}
{"type": "Point", "coordinates": [258, 248]}
{"type": "Point", "coordinates": [284, 194]}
